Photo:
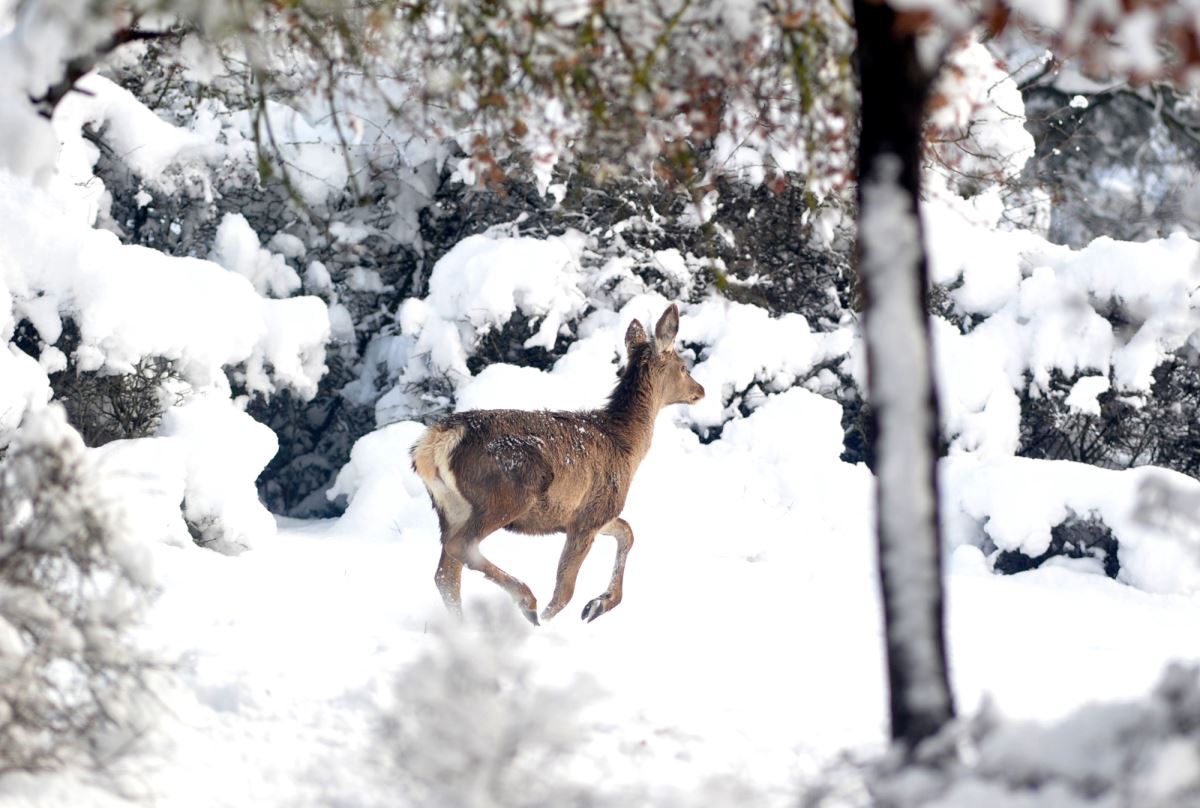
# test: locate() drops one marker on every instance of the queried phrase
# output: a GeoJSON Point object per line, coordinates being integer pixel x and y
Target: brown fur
{"type": "Point", "coordinates": [549, 472]}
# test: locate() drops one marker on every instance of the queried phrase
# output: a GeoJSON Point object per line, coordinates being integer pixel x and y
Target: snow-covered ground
{"type": "Point", "coordinates": [746, 655]}
{"type": "Point", "coordinates": [747, 649]}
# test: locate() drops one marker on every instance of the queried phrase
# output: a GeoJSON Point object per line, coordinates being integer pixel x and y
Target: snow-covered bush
{"type": "Point", "coordinates": [324, 184]}
{"type": "Point", "coordinates": [1053, 353]}
{"type": "Point", "coordinates": [742, 354]}
{"type": "Point", "coordinates": [75, 688]}
{"type": "Point", "coordinates": [977, 142]}
{"type": "Point", "coordinates": [102, 405]}
{"type": "Point", "coordinates": [120, 332]}
{"type": "Point", "coordinates": [114, 406]}
{"type": "Point", "coordinates": [1117, 161]}
{"type": "Point", "coordinates": [489, 280]}
{"type": "Point", "coordinates": [476, 726]}
{"type": "Point", "coordinates": [131, 303]}
{"type": "Point", "coordinates": [481, 311]}
{"type": "Point", "coordinates": [1032, 508]}
{"type": "Point", "coordinates": [1069, 421]}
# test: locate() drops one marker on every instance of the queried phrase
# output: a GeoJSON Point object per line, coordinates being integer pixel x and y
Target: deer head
{"type": "Point", "coordinates": [662, 368]}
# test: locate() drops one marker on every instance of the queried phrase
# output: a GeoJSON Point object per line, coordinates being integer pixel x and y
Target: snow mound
{"type": "Point", "coordinates": [383, 492]}
{"type": "Point", "coordinates": [981, 412]}
{"type": "Point", "coordinates": [153, 473]}
{"type": "Point", "coordinates": [223, 450]}
{"type": "Point", "coordinates": [26, 387]}
{"type": "Point", "coordinates": [797, 434]}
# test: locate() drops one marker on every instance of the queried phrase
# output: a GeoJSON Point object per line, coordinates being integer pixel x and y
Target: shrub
{"type": "Point", "coordinates": [74, 688]}
{"type": "Point", "coordinates": [473, 727]}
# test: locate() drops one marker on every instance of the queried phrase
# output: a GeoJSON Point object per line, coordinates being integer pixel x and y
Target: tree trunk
{"type": "Point", "coordinates": [900, 387]}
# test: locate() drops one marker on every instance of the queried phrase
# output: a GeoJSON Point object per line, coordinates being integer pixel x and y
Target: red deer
{"type": "Point", "coordinates": [550, 472]}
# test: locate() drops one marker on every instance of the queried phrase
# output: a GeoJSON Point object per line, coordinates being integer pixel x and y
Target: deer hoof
{"type": "Point", "coordinates": [530, 615]}
{"type": "Point", "coordinates": [594, 609]}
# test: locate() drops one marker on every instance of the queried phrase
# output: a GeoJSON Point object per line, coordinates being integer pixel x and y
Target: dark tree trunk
{"type": "Point", "coordinates": [894, 274]}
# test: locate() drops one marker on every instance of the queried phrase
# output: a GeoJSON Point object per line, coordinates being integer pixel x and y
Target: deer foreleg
{"type": "Point", "coordinates": [619, 529]}
{"type": "Point", "coordinates": [575, 550]}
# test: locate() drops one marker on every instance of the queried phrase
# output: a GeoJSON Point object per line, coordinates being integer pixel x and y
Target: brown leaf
{"type": "Point", "coordinates": [996, 20]}
{"type": "Point", "coordinates": [909, 23]}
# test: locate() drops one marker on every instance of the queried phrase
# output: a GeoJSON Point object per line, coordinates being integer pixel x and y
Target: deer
{"type": "Point", "coordinates": [543, 472]}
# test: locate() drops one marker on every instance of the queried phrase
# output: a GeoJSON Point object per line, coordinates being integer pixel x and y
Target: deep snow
{"type": "Point", "coordinates": [748, 647]}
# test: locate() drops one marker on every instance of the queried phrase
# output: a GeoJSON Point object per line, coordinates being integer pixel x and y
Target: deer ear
{"type": "Point", "coordinates": [667, 328]}
{"type": "Point", "coordinates": [635, 335]}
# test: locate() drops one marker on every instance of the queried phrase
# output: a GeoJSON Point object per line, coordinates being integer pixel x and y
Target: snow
{"type": "Point", "coordinates": [978, 115]}
{"type": "Point", "coordinates": [1034, 308]}
{"type": "Point", "coordinates": [753, 556]}
{"type": "Point", "coordinates": [314, 164]}
{"type": "Point", "coordinates": [1084, 392]}
{"type": "Point", "coordinates": [147, 142]}
{"type": "Point", "coordinates": [131, 302]}
{"type": "Point", "coordinates": [980, 408]}
{"type": "Point", "coordinates": [378, 489]}
{"type": "Point", "coordinates": [744, 346]}
{"type": "Point", "coordinates": [478, 287]}
{"type": "Point", "coordinates": [377, 596]}
{"type": "Point", "coordinates": [237, 249]}
{"type": "Point", "coordinates": [26, 388]}
{"type": "Point", "coordinates": [1014, 502]}
{"type": "Point", "coordinates": [153, 473]}
{"type": "Point", "coordinates": [33, 150]}
{"type": "Point", "coordinates": [223, 451]}
{"type": "Point", "coordinates": [1050, 13]}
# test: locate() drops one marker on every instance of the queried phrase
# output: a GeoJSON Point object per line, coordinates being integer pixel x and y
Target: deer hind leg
{"type": "Point", "coordinates": [575, 550]}
{"type": "Point", "coordinates": [463, 548]}
{"type": "Point", "coordinates": [620, 530]}
{"type": "Point", "coordinates": [448, 577]}
{"type": "Point", "coordinates": [449, 582]}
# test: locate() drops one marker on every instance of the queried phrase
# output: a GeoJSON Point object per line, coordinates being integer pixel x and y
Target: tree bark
{"type": "Point", "coordinates": [894, 274]}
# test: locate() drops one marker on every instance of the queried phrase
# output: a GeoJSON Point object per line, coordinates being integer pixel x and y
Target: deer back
{"type": "Point", "coordinates": [551, 470]}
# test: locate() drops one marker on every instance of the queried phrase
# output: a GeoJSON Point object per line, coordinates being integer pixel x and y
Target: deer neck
{"type": "Point", "coordinates": [631, 411]}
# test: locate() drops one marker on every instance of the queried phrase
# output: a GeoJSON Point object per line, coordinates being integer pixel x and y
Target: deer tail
{"type": "Point", "coordinates": [431, 456]}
